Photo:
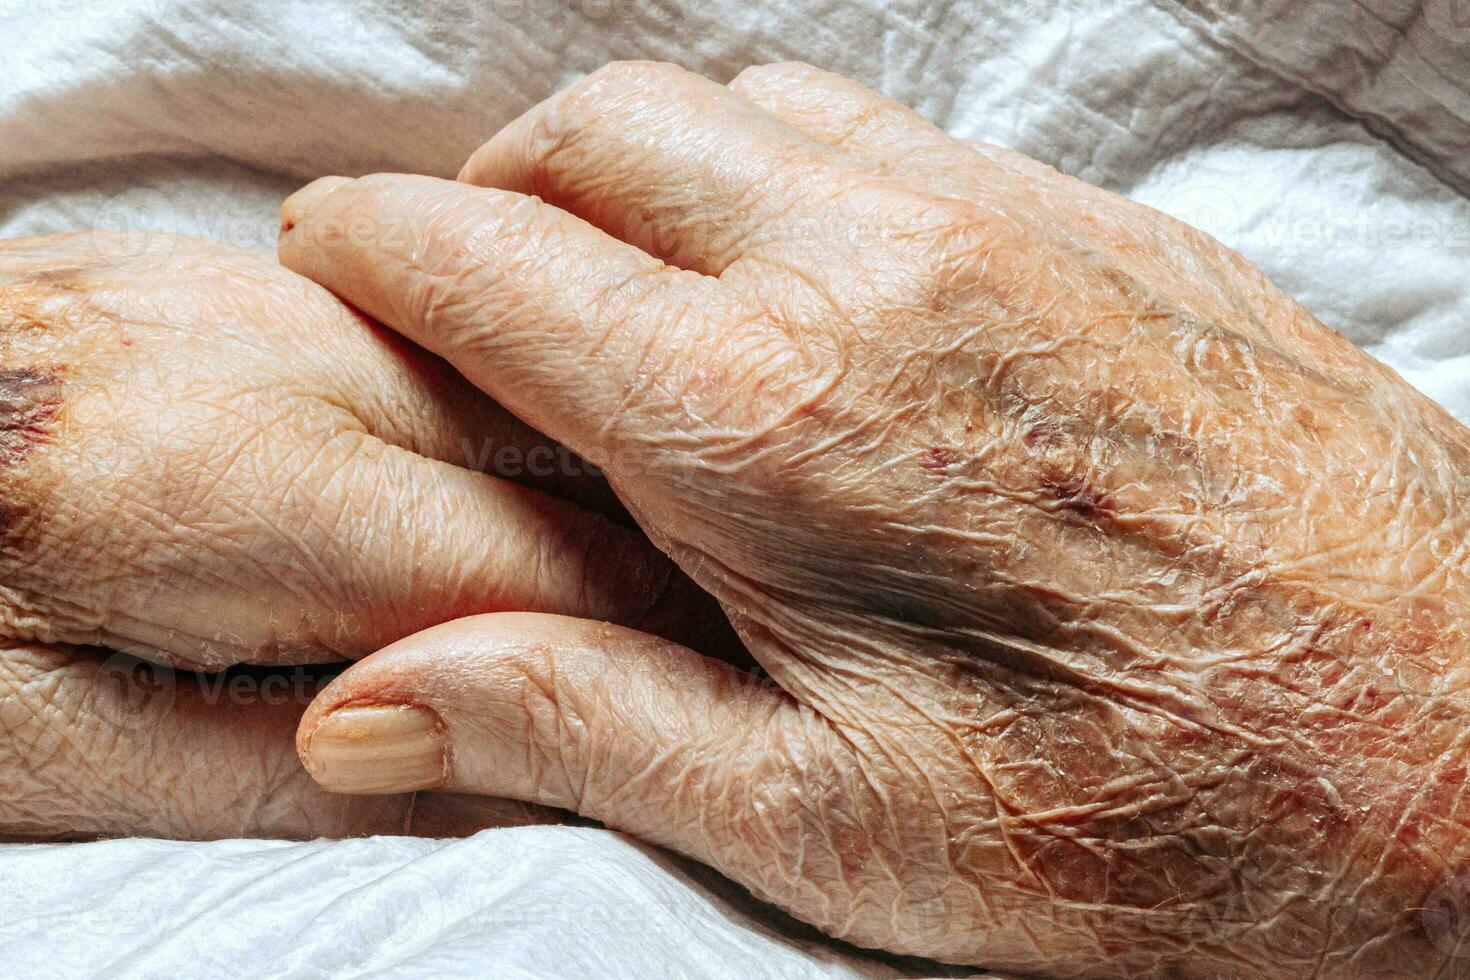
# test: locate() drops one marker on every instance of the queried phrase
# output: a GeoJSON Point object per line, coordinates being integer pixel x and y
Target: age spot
{"type": "Point", "coordinates": [29, 401]}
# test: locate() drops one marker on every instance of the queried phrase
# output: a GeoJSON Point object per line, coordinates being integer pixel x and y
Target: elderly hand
{"type": "Point", "coordinates": [207, 460]}
{"type": "Point", "coordinates": [1116, 608]}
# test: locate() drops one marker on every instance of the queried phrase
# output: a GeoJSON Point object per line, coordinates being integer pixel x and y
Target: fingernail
{"type": "Point", "coordinates": [390, 748]}
{"type": "Point", "coordinates": [294, 208]}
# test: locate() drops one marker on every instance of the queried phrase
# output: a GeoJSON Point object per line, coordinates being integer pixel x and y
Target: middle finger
{"type": "Point", "coordinates": [668, 161]}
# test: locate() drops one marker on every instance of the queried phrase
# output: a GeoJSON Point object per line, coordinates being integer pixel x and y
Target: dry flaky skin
{"type": "Point", "coordinates": [208, 460]}
{"type": "Point", "coordinates": [1121, 605]}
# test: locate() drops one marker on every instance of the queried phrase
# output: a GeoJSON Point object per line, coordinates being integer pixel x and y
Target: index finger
{"type": "Point", "coordinates": [553, 318]}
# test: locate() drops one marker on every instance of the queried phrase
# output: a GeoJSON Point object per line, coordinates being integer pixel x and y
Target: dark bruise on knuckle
{"type": "Point", "coordinates": [30, 400]}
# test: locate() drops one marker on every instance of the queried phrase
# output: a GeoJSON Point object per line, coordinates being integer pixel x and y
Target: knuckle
{"type": "Point", "coordinates": [568, 134]}
{"type": "Point", "coordinates": [951, 233]}
{"type": "Point", "coordinates": [756, 78]}
{"type": "Point", "coordinates": [30, 400]}
{"type": "Point", "coordinates": [372, 187]}
{"type": "Point", "coordinates": [952, 222]}
{"type": "Point", "coordinates": [618, 77]}
{"type": "Point", "coordinates": [610, 90]}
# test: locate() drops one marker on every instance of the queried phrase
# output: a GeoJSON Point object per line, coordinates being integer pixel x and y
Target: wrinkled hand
{"type": "Point", "coordinates": [207, 460]}
{"type": "Point", "coordinates": [1116, 608]}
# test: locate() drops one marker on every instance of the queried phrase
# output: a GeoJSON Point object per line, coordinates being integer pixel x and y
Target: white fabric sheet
{"type": "Point", "coordinates": [1327, 142]}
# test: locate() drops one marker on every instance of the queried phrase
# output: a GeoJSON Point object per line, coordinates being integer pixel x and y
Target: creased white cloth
{"type": "Point", "coordinates": [1327, 142]}
{"type": "Point", "coordinates": [522, 902]}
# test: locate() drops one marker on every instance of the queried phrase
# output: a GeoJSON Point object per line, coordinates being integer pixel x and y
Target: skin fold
{"type": "Point", "coordinates": [1114, 608]}
{"type": "Point", "coordinates": [206, 460]}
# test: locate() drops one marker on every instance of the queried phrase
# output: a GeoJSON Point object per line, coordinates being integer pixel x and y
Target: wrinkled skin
{"type": "Point", "coordinates": [1116, 608]}
{"type": "Point", "coordinates": [206, 460]}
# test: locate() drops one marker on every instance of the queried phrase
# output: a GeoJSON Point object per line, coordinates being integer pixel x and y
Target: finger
{"type": "Point", "coordinates": [1144, 242]}
{"type": "Point", "coordinates": [434, 412]}
{"type": "Point", "coordinates": [332, 353]}
{"type": "Point", "coordinates": [93, 744]}
{"type": "Point", "coordinates": [669, 161]}
{"type": "Point", "coordinates": [567, 327]}
{"type": "Point", "coordinates": [297, 536]}
{"type": "Point", "coordinates": [406, 397]}
{"type": "Point", "coordinates": [372, 543]}
{"type": "Point", "coordinates": [851, 117]}
{"type": "Point", "coordinates": [619, 726]}
{"type": "Point", "coordinates": [476, 544]}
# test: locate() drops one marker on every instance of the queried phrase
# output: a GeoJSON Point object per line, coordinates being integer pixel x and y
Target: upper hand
{"type": "Point", "coordinates": [1116, 605]}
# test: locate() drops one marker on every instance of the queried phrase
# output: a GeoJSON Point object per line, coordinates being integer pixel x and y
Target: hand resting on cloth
{"type": "Point", "coordinates": [206, 460]}
{"type": "Point", "coordinates": [1115, 608]}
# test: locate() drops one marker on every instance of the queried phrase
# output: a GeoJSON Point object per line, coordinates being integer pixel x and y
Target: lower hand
{"type": "Point", "coordinates": [206, 460]}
